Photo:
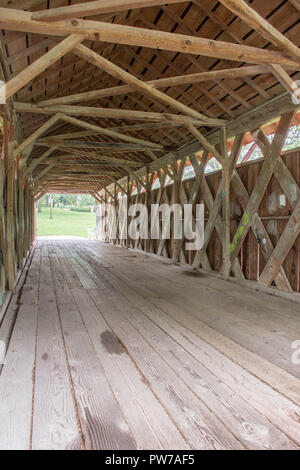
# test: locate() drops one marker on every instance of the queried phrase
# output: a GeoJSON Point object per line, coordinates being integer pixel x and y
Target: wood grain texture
{"type": "Point", "coordinates": [126, 355]}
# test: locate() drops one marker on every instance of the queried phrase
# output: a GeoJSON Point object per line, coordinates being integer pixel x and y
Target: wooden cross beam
{"type": "Point", "coordinates": [109, 132]}
{"type": "Point", "coordinates": [199, 175]}
{"type": "Point", "coordinates": [69, 144]}
{"type": "Point", "coordinates": [281, 172]}
{"type": "Point", "coordinates": [109, 193]}
{"type": "Point", "coordinates": [215, 209]}
{"type": "Point", "coordinates": [261, 26]}
{"type": "Point", "coordinates": [136, 178]}
{"type": "Point", "coordinates": [283, 77]}
{"type": "Point", "coordinates": [70, 135]}
{"type": "Point", "coordinates": [284, 244]}
{"type": "Point", "coordinates": [151, 155]}
{"type": "Point", "coordinates": [203, 141]}
{"type": "Point", "coordinates": [160, 83]}
{"type": "Point", "coordinates": [110, 113]}
{"type": "Point", "coordinates": [93, 165]}
{"type": "Point", "coordinates": [270, 161]}
{"type": "Point", "coordinates": [292, 191]}
{"type": "Point", "coordinates": [44, 172]}
{"type": "Point", "coordinates": [259, 230]}
{"type": "Point", "coordinates": [97, 160]}
{"type": "Point", "coordinates": [95, 195]}
{"type": "Point", "coordinates": [177, 177]}
{"type": "Point", "coordinates": [137, 84]}
{"type": "Point", "coordinates": [16, 20]}
{"type": "Point", "coordinates": [149, 180]}
{"type": "Point", "coordinates": [33, 137]}
{"type": "Point", "coordinates": [38, 161]}
{"type": "Point", "coordinates": [41, 64]}
{"type": "Point", "coordinates": [42, 193]}
{"type": "Point", "coordinates": [95, 8]}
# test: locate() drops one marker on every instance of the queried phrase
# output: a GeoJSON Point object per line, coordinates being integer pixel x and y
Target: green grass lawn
{"type": "Point", "coordinates": [64, 222]}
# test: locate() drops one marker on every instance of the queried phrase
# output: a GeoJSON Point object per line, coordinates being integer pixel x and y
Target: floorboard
{"type": "Point", "coordinates": [111, 349]}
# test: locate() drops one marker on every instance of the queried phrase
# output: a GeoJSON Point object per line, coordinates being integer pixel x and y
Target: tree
{"type": "Point", "coordinates": [86, 200]}
{"type": "Point", "coordinates": [51, 205]}
{"type": "Point", "coordinates": [40, 205]}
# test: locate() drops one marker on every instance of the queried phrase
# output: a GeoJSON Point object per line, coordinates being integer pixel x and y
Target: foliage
{"type": "Point", "coordinates": [69, 200]}
{"type": "Point", "coordinates": [80, 209]}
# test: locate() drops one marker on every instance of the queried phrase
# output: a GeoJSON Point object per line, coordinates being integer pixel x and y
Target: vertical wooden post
{"type": "Point", "coordinates": [148, 206]}
{"type": "Point", "coordinates": [21, 219]}
{"type": "Point", "coordinates": [26, 236]}
{"type": "Point", "coordinates": [128, 205]}
{"type": "Point", "coordinates": [226, 204]}
{"type": "Point", "coordinates": [116, 209]}
{"type": "Point", "coordinates": [32, 219]}
{"type": "Point", "coordinates": [29, 219]}
{"type": "Point", "coordinates": [105, 202]}
{"type": "Point", "coordinates": [4, 272]}
{"type": "Point", "coordinates": [3, 260]}
{"type": "Point", "coordinates": [175, 200]}
{"type": "Point", "coordinates": [10, 208]}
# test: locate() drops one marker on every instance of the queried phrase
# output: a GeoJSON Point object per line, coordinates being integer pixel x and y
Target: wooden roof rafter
{"type": "Point", "coordinates": [22, 21]}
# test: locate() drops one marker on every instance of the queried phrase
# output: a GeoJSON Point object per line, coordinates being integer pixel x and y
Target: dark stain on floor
{"type": "Point", "coordinates": [192, 273]}
{"type": "Point", "coordinates": [111, 343]}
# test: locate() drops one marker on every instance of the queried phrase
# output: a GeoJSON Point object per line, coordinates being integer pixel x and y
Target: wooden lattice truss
{"type": "Point", "coordinates": [273, 165]}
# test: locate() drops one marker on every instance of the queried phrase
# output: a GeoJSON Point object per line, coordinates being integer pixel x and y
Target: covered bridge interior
{"type": "Point", "coordinates": [126, 343]}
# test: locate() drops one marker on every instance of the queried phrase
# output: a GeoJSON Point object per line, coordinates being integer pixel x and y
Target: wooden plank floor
{"type": "Point", "coordinates": [111, 349]}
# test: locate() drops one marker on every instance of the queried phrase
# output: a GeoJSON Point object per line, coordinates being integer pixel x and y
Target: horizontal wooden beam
{"type": "Point", "coordinates": [108, 113]}
{"type": "Point", "coordinates": [69, 135]}
{"type": "Point", "coordinates": [161, 83]}
{"type": "Point", "coordinates": [67, 178]}
{"type": "Point", "coordinates": [89, 133]}
{"type": "Point", "coordinates": [95, 159]}
{"type": "Point", "coordinates": [262, 26]}
{"type": "Point", "coordinates": [97, 145]}
{"type": "Point", "coordinates": [96, 8]}
{"type": "Point", "coordinates": [17, 20]}
{"type": "Point", "coordinates": [114, 70]}
{"type": "Point", "coordinates": [109, 132]}
{"type": "Point", "coordinates": [95, 165]}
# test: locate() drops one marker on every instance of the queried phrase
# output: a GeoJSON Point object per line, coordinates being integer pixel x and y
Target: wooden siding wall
{"type": "Point", "coordinates": [17, 226]}
{"type": "Point", "coordinates": [273, 216]}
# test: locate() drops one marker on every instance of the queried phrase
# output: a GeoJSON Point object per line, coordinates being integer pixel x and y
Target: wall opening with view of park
{"type": "Point", "coordinates": [70, 215]}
